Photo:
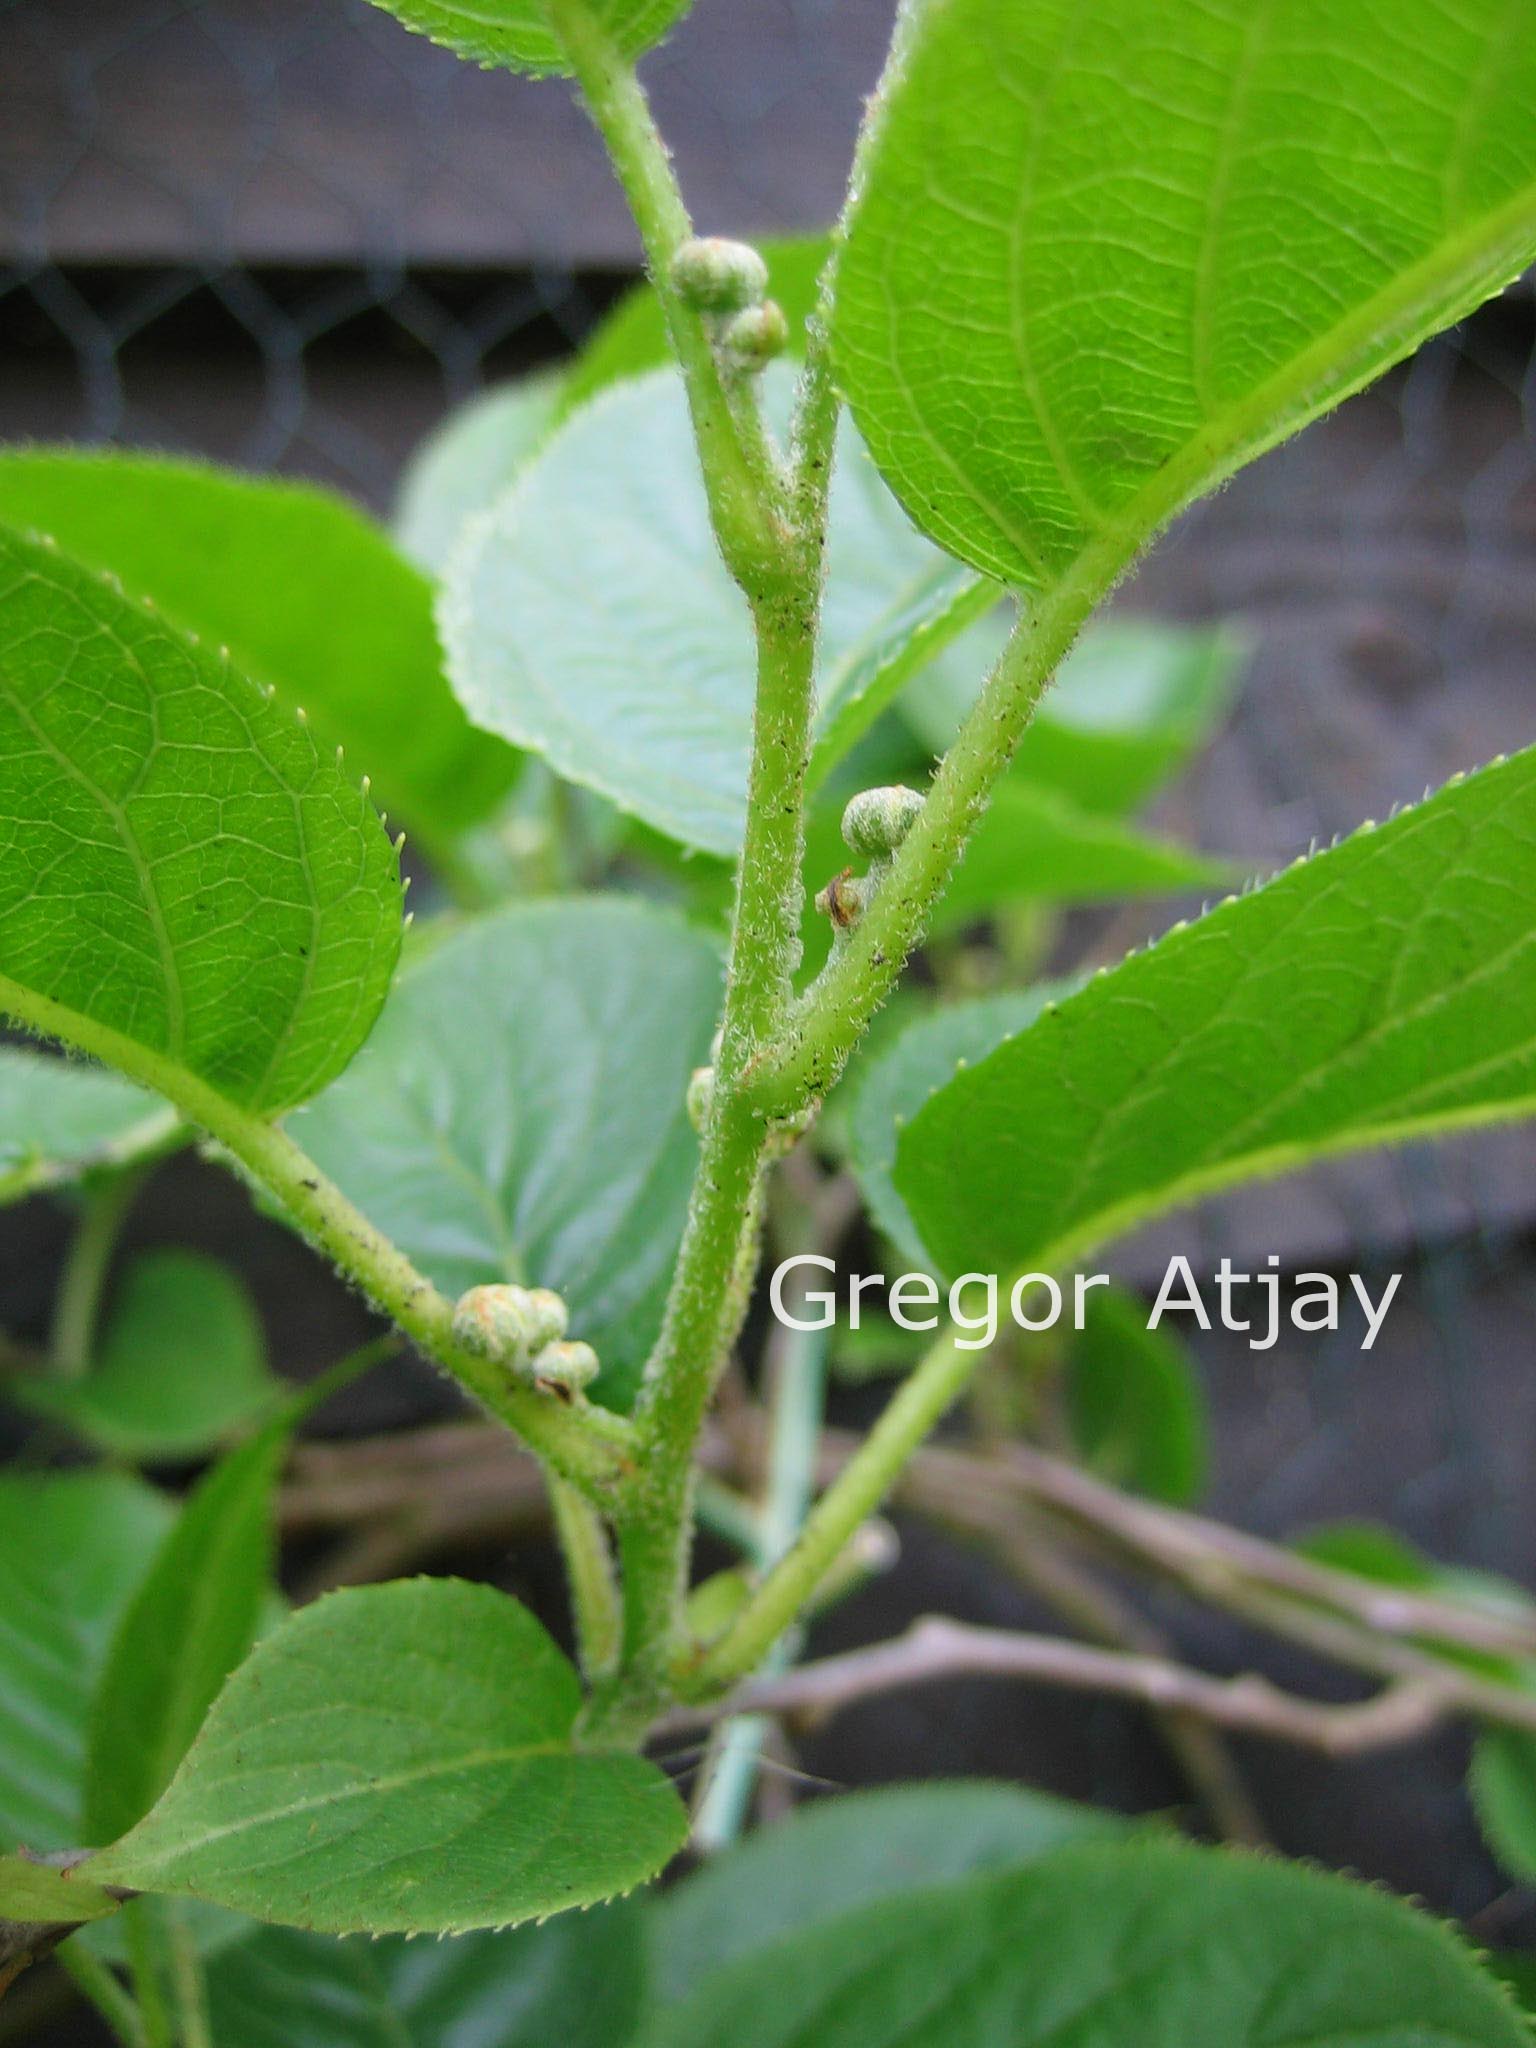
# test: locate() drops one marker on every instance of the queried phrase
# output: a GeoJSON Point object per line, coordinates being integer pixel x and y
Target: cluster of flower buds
{"type": "Point", "coordinates": [874, 824]}
{"type": "Point", "coordinates": [727, 282]}
{"type": "Point", "coordinates": [523, 1329]}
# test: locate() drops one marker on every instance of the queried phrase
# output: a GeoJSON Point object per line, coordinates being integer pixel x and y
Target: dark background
{"type": "Point", "coordinates": [291, 236]}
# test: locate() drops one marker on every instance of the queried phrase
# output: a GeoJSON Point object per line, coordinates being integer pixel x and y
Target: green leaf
{"type": "Point", "coordinates": [520, 1113]}
{"type": "Point", "coordinates": [837, 1854]}
{"type": "Point", "coordinates": [1130, 704]}
{"type": "Point", "coordinates": [1134, 1401]}
{"type": "Point", "coordinates": [467, 464]}
{"type": "Point", "coordinates": [63, 1118]}
{"type": "Point", "coordinates": [1033, 845]}
{"type": "Point", "coordinates": [398, 1759]}
{"type": "Point", "coordinates": [305, 592]}
{"type": "Point", "coordinates": [189, 1624]}
{"type": "Point", "coordinates": [515, 35]}
{"type": "Point", "coordinates": [603, 631]}
{"type": "Point", "coordinates": [1152, 1942]}
{"type": "Point", "coordinates": [72, 1549]}
{"type": "Point", "coordinates": [180, 1365]}
{"type": "Point", "coordinates": [1377, 992]}
{"type": "Point", "coordinates": [34, 1892]}
{"type": "Point", "coordinates": [188, 888]}
{"type": "Point", "coordinates": [1103, 254]}
{"type": "Point", "coordinates": [575, 1982]}
{"type": "Point", "coordinates": [632, 338]}
{"type": "Point", "coordinates": [899, 1080]}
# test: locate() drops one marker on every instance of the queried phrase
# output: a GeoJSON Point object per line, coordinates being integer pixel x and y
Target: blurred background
{"type": "Point", "coordinates": [288, 235]}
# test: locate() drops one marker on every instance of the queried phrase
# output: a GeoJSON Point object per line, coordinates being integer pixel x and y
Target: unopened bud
{"type": "Point", "coordinates": [508, 1324]}
{"type": "Point", "coordinates": [564, 1369]}
{"type": "Point", "coordinates": [719, 276]}
{"type": "Point", "coordinates": [754, 337]}
{"type": "Point", "coordinates": [877, 820]}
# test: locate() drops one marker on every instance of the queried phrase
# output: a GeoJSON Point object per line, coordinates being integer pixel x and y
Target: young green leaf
{"type": "Point", "coordinates": [1134, 1401]}
{"type": "Point", "coordinates": [399, 1759]}
{"type": "Point", "coordinates": [1151, 1941]}
{"type": "Point", "coordinates": [519, 35]}
{"type": "Point", "coordinates": [189, 1624]}
{"type": "Point", "coordinates": [827, 1858]}
{"type": "Point", "coordinates": [1377, 992]}
{"type": "Point", "coordinates": [189, 888]}
{"type": "Point", "coordinates": [467, 464]}
{"type": "Point", "coordinates": [520, 1113]}
{"type": "Point", "coordinates": [1101, 255]}
{"type": "Point", "coordinates": [180, 1364]}
{"type": "Point", "coordinates": [576, 1982]}
{"type": "Point", "coordinates": [605, 633]}
{"type": "Point", "coordinates": [1130, 704]}
{"type": "Point", "coordinates": [61, 1118]}
{"type": "Point", "coordinates": [305, 592]}
{"type": "Point", "coordinates": [896, 1083]}
{"type": "Point", "coordinates": [73, 1547]}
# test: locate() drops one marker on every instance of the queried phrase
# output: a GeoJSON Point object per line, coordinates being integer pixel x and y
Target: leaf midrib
{"type": "Point", "coordinates": [192, 1845]}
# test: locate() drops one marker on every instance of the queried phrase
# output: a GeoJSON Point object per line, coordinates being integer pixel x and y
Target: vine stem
{"type": "Point", "coordinates": [771, 534]}
{"type": "Point", "coordinates": [806, 1057]}
{"type": "Point", "coordinates": [596, 1607]}
{"type": "Point", "coordinates": [739, 471]}
{"type": "Point", "coordinates": [585, 1444]}
{"type": "Point", "coordinates": [847, 1503]}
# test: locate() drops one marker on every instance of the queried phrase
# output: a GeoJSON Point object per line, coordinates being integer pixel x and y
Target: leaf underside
{"type": "Point", "coordinates": [515, 35]}
{"type": "Point", "coordinates": [520, 1112]}
{"type": "Point", "coordinates": [604, 632]}
{"type": "Point", "coordinates": [1104, 253]}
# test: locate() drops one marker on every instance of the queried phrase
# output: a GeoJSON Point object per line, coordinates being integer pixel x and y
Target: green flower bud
{"type": "Point", "coordinates": [877, 820]}
{"type": "Point", "coordinates": [718, 276]}
{"type": "Point", "coordinates": [754, 337]}
{"type": "Point", "coordinates": [508, 1324]}
{"type": "Point", "coordinates": [564, 1370]}
{"type": "Point", "coordinates": [701, 1093]}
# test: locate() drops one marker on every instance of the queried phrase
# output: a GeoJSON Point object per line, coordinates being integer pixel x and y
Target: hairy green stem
{"type": "Point", "coordinates": [806, 1058]}
{"type": "Point", "coordinates": [594, 1588]}
{"type": "Point", "coordinates": [740, 475]}
{"type": "Point", "coordinates": [707, 1301]}
{"type": "Point", "coordinates": [847, 1503]}
{"type": "Point", "coordinates": [584, 1443]}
